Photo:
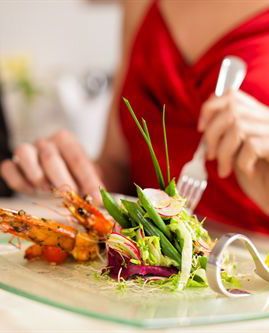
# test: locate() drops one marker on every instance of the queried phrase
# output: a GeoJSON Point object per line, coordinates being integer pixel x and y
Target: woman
{"type": "Point", "coordinates": [172, 51]}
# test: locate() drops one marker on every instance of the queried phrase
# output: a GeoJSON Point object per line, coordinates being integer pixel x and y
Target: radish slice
{"type": "Point", "coordinates": [158, 198]}
{"type": "Point", "coordinates": [165, 205]}
{"type": "Point", "coordinates": [173, 209]}
{"type": "Point", "coordinates": [123, 245]}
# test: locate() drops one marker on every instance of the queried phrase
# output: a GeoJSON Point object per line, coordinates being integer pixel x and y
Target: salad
{"type": "Point", "coordinates": [155, 237]}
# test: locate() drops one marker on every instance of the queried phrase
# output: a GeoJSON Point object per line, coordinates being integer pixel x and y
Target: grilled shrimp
{"type": "Point", "coordinates": [49, 234]}
{"type": "Point", "coordinates": [85, 213]}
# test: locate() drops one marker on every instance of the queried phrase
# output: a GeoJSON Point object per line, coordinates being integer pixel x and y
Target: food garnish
{"type": "Point", "coordinates": [158, 239]}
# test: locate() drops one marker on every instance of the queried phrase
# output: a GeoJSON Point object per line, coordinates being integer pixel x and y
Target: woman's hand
{"type": "Point", "coordinates": [54, 162]}
{"type": "Point", "coordinates": [236, 132]}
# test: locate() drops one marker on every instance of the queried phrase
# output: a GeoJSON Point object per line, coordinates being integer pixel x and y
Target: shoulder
{"type": "Point", "coordinates": [134, 12]}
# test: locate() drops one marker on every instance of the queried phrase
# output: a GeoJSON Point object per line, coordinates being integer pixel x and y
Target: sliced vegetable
{"type": "Point", "coordinates": [151, 253]}
{"type": "Point", "coordinates": [124, 246]}
{"type": "Point", "coordinates": [185, 239]}
{"type": "Point", "coordinates": [158, 235]}
{"type": "Point", "coordinates": [229, 281]}
{"type": "Point", "coordinates": [113, 209]}
{"type": "Point", "coordinates": [142, 270]}
{"type": "Point", "coordinates": [137, 214]}
{"type": "Point", "coordinates": [165, 205]}
{"type": "Point", "coordinates": [159, 199]}
{"type": "Point", "coordinates": [121, 267]}
{"type": "Point", "coordinates": [173, 209]}
{"type": "Point", "coordinates": [153, 215]}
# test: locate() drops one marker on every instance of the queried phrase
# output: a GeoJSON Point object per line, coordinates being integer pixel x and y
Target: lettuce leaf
{"type": "Point", "coordinates": [185, 239]}
{"type": "Point", "coordinates": [230, 281]}
{"type": "Point", "coordinates": [151, 253]}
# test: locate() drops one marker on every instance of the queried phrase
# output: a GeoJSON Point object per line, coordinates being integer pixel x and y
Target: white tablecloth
{"type": "Point", "coordinates": [20, 315]}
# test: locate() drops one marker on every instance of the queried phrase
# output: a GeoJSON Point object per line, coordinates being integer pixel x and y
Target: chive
{"type": "Point", "coordinates": [166, 147]}
{"type": "Point", "coordinates": [145, 133]}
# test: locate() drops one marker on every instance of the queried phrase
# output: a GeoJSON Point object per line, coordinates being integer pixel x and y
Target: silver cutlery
{"type": "Point", "coordinates": [215, 261]}
{"type": "Point", "coordinates": [193, 178]}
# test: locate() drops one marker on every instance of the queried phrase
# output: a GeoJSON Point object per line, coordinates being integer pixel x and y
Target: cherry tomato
{"type": "Point", "coordinates": [54, 254]}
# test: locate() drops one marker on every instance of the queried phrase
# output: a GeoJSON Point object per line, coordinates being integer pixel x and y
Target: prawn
{"type": "Point", "coordinates": [82, 209]}
{"type": "Point", "coordinates": [48, 235]}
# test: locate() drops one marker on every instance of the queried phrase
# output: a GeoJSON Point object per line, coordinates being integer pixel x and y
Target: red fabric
{"type": "Point", "coordinates": [158, 74]}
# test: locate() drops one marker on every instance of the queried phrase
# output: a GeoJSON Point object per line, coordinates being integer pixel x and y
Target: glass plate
{"type": "Point", "coordinates": [76, 288]}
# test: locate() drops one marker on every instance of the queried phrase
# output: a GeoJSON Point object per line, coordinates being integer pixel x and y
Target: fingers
{"type": "Point", "coordinates": [27, 157]}
{"type": "Point", "coordinates": [210, 108]}
{"type": "Point", "coordinates": [252, 150]}
{"type": "Point", "coordinates": [215, 131]}
{"type": "Point", "coordinates": [54, 166]}
{"type": "Point", "coordinates": [226, 152]}
{"type": "Point", "coordinates": [78, 163]}
{"type": "Point", "coordinates": [14, 178]}
{"type": "Point", "coordinates": [56, 162]}
{"type": "Point", "coordinates": [247, 157]}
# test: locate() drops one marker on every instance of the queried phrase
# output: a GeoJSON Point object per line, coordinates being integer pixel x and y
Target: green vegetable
{"type": "Point", "coordinates": [151, 253]}
{"type": "Point", "coordinates": [130, 232]}
{"type": "Point", "coordinates": [136, 213]}
{"type": "Point", "coordinates": [171, 188]}
{"type": "Point", "coordinates": [185, 239]}
{"type": "Point", "coordinates": [166, 147]}
{"type": "Point", "coordinates": [194, 226]}
{"type": "Point", "coordinates": [230, 281]}
{"type": "Point", "coordinates": [113, 209]}
{"type": "Point", "coordinates": [145, 133]}
{"type": "Point", "coordinates": [170, 284]}
{"type": "Point", "coordinates": [199, 279]}
{"type": "Point", "coordinates": [151, 212]}
{"type": "Point", "coordinates": [200, 276]}
{"type": "Point", "coordinates": [202, 261]}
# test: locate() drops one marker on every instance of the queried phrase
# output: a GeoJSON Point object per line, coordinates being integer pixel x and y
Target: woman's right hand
{"type": "Point", "coordinates": [53, 162]}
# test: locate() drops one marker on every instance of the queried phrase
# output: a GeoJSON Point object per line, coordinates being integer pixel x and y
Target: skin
{"type": "Point", "coordinates": [235, 135]}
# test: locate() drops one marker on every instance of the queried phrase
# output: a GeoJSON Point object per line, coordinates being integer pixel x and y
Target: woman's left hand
{"type": "Point", "coordinates": [236, 133]}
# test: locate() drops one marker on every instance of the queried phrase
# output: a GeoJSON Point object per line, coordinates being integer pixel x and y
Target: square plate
{"type": "Point", "coordinates": [77, 288]}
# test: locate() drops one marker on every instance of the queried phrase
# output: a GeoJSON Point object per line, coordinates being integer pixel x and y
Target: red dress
{"type": "Point", "coordinates": [158, 75]}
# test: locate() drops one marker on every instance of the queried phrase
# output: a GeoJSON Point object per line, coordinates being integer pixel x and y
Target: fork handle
{"type": "Point", "coordinates": [201, 150]}
{"type": "Point", "coordinates": [232, 73]}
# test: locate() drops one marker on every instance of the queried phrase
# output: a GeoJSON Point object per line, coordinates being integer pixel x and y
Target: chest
{"type": "Point", "coordinates": [195, 26]}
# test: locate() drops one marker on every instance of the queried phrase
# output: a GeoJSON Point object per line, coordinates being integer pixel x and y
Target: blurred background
{"type": "Point", "coordinates": [57, 59]}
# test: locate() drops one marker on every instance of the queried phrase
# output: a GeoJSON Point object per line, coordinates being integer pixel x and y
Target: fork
{"type": "Point", "coordinates": [193, 177]}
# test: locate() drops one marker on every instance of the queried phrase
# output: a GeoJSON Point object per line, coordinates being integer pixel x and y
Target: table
{"type": "Point", "coordinates": [19, 315]}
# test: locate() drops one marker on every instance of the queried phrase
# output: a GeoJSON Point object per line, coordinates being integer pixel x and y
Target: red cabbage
{"type": "Point", "coordinates": [119, 266]}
